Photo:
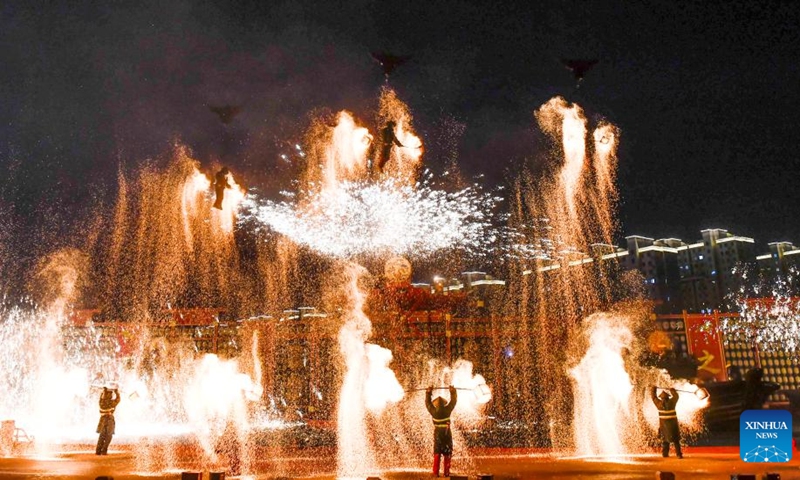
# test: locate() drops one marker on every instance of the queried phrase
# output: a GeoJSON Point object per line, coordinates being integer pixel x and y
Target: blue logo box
{"type": "Point", "coordinates": [765, 436]}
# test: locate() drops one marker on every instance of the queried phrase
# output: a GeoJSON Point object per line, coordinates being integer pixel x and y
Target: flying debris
{"type": "Point", "coordinates": [226, 113]}
{"type": "Point", "coordinates": [220, 184]}
{"type": "Point", "coordinates": [389, 62]}
{"type": "Point", "coordinates": [579, 67]}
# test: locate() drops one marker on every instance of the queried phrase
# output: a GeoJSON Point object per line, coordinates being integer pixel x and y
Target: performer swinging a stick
{"type": "Point", "coordinates": [442, 436]}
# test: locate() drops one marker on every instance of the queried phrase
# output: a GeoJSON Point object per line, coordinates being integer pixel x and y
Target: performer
{"type": "Point", "coordinates": [442, 436]}
{"type": "Point", "coordinates": [388, 140]}
{"type": "Point", "coordinates": [668, 428]}
{"type": "Point", "coordinates": [220, 184]}
{"type": "Point", "coordinates": [109, 400]}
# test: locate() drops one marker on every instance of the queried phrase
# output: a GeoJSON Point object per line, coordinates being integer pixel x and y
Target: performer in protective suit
{"type": "Point", "coordinates": [387, 141]}
{"type": "Point", "coordinates": [442, 436]}
{"type": "Point", "coordinates": [220, 184]}
{"type": "Point", "coordinates": [668, 428]}
{"type": "Point", "coordinates": [109, 400]}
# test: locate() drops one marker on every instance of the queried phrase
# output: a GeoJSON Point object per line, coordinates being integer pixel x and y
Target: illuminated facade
{"type": "Point", "coordinates": [657, 261]}
{"type": "Point", "coordinates": [781, 259]}
{"type": "Point", "coordinates": [696, 277]}
{"type": "Point", "coordinates": [707, 268]}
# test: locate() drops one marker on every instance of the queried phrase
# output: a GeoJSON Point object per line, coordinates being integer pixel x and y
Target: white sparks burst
{"type": "Point", "coordinates": [769, 315]}
{"type": "Point", "coordinates": [381, 217]}
{"type": "Point", "coordinates": [774, 324]}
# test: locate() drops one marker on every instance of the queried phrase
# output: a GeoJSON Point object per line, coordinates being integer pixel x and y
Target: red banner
{"type": "Point", "coordinates": [705, 345]}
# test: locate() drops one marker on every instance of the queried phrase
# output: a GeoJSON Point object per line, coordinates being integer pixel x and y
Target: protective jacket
{"type": "Point", "coordinates": [442, 436]}
{"type": "Point", "coordinates": [108, 403]}
{"type": "Point", "coordinates": [667, 417]}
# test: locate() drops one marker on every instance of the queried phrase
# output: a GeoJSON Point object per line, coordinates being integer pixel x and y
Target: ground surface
{"type": "Point", "coordinates": [698, 463]}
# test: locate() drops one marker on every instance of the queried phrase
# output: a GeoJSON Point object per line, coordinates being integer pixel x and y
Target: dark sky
{"type": "Point", "coordinates": [705, 94]}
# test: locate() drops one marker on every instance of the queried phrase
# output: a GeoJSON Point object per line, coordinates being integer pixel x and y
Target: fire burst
{"type": "Point", "coordinates": [382, 217]}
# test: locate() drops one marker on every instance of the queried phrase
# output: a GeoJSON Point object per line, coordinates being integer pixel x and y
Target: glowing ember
{"type": "Point", "coordinates": [217, 394]}
{"type": "Point", "coordinates": [356, 455]}
{"type": "Point", "coordinates": [346, 154]}
{"type": "Point", "coordinates": [558, 115]}
{"type": "Point", "coordinates": [603, 389]}
{"type": "Point", "coordinates": [195, 188]}
{"type": "Point", "coordinates": [381, 386]}
{"type": "Point", "coordinates": [159, 402]}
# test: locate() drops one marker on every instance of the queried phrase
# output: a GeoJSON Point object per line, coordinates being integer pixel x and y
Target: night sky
{"type": "Point", "coordinates": [705, 95]}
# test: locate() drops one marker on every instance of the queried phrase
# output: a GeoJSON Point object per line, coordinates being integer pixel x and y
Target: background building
{"type": "Point", "coordinates": [657, 261]}
{"type": "Point", "coordinates": [696, 277]}
{"type": "Point", "coordinates": [781, 259]}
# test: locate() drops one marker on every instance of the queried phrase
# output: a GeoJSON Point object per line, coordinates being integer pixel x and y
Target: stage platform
{"type": "Point", "coordinates": [699, 463]}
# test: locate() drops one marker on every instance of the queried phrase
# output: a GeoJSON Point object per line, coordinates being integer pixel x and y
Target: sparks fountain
{"type": "Point", "coordinates": [162, 260]}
